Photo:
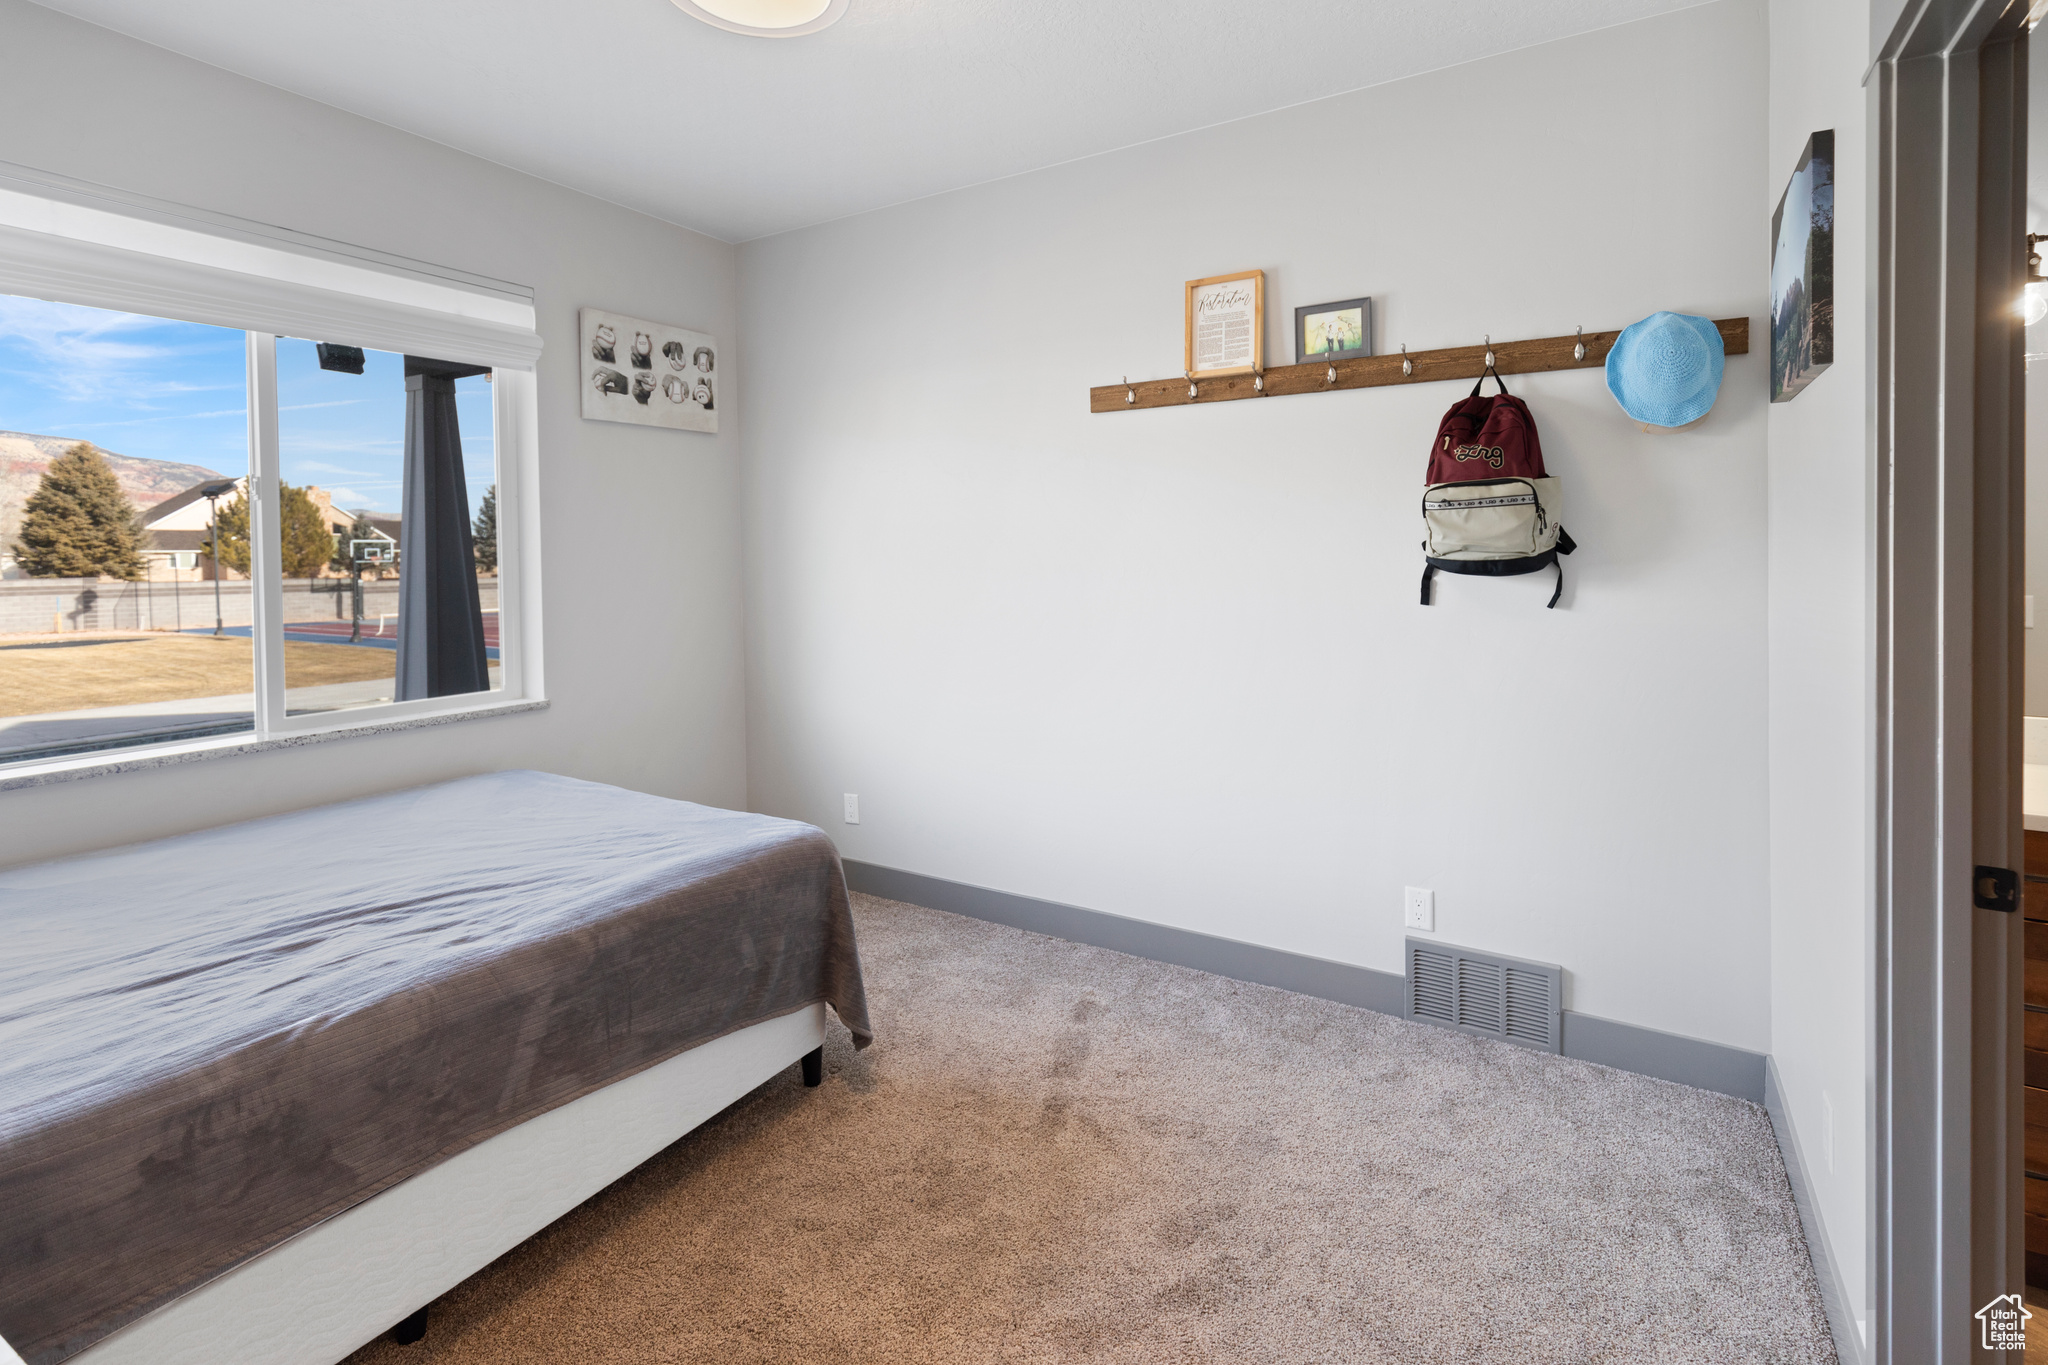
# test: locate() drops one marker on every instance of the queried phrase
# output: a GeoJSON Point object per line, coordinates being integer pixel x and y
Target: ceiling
{"type": "Point", "coordinates": [635, 102]}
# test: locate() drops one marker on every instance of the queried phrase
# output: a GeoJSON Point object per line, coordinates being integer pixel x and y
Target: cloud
{"type": "Point", "coordinates": [174, 417]}
{"type": "Point", "coordinates": [296, 448]}
{"type": "Point", "coordinates": [322, 467]}
{"type": "Point", "coordinates": [92, 354]}
{"type": "Point", "coordinates": [357, 488]}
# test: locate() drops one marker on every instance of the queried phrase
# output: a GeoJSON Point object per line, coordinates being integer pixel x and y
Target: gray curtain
{"type": "Point", "coordinates": [440, 620]}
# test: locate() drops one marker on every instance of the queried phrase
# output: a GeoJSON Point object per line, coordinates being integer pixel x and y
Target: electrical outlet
{"type": "Point", "coordinates": [852, 809]}
{"type": "Point", "coordinates": [1418, 904]}
{"type": "Point", "coordinates": [1827, 1130]}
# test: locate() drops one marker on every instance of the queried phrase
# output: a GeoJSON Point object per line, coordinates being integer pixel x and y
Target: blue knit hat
{"type": "Point", "coordinates": [1666, 369]}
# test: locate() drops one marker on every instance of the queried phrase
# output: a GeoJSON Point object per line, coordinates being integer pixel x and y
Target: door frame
{"type": "Point", "coordinates": [1948, 98]}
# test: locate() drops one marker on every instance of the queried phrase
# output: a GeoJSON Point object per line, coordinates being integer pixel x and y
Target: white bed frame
{"type": "Point", "coordinates": [314, 1299]}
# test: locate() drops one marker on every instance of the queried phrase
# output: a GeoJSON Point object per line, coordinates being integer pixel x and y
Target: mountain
{"type": "Point", "coordinates": [23, 458]}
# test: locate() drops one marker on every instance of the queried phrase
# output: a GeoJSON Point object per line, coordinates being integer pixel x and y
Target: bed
{"type": "Point", "coordinates": [267, 1089]}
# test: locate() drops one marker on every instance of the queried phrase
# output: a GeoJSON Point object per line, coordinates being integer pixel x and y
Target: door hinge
{"type": "Point", "coordinates": [1997, 888]}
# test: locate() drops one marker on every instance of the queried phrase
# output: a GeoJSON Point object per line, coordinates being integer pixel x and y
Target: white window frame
{"type": "Point", "coordinates": [73, 243]}
{"type": "Point", "coordinates": [510, 391]}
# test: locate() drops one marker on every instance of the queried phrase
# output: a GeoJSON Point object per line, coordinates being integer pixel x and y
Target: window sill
{"type": "Point", "coordinates": [143, 758]}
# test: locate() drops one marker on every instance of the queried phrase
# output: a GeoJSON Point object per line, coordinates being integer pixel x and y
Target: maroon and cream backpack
{"type": "Point", "coordinates": [1489, 508]}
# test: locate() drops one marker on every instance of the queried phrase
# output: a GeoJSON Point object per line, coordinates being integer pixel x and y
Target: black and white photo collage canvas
{"type": "Point", "coordinates": [649, 373]}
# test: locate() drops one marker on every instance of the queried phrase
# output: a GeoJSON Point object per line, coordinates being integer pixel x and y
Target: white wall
{"type": "Point", "coordinates": [647, 696]}
{"type": "Point", "coordinates": [1820, 622]}
{"type": "Point", "coordinates": [1170, 664]}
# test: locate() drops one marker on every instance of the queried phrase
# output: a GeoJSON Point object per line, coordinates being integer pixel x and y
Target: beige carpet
{"type": "Point", "coordinates": [1059, 1153]}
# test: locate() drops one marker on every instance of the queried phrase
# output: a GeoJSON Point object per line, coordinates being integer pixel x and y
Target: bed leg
{"type": "Point", "coordinates": [814, 1066]}
{"type": "Point", "coordinates": [411, 1328]}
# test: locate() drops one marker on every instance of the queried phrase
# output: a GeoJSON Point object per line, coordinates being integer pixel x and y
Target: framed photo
{"type": "Point", "coordinates": [1226, 324]}
{"type": "Point", "coordinates": [647, 373]}
{"type": "Point", "coordinates": [1803, 272]}
{"type": "Point", "coordinates": [1332, 331]}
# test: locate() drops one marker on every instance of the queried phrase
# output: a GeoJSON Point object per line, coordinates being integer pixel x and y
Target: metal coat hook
{"type": "Point", "coordinates": [1489, 351]}
{"type": "Point", "coordinates": [1407, 365]}
{"type": "Point", "coordinates": [1330, 371]}
{"type": "Point", "coordinates": [1130, 394]}
{"type": "Point", "coordinates": [1579, 351]}
{"type": "Point", "coordinates": [1191, 383]}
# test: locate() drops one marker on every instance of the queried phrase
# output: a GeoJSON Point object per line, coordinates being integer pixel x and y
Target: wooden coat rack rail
{"type": "Point", "coordinates": [1365, 372]}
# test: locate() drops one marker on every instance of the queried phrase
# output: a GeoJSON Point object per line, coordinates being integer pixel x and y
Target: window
{"type": "Point", "coordinates": [107, 421]}
{"type": "Point", "coordinates": [265, 516]}
{"type": "Point", "coordinates": [374, 615]}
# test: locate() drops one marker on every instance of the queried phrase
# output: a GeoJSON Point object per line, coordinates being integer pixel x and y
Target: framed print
{"type": "Point", "coordinates": [1226, 324]}
{"type": "Point", "coordinates": [1332, 331]}
{"type": "Point", "coordinates": [647, 373]}
{"type": "Point", "coordinates": [1803, 272]}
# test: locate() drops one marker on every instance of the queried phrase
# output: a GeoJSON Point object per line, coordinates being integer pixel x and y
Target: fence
{"type": "Point", "coordinates": [40, 606]}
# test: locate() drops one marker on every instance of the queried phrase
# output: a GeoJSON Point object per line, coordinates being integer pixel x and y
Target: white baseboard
{"type": "Point", "coordinates": [1834, 1295]}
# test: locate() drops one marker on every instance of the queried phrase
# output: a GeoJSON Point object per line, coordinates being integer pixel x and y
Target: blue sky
{"type": "Point", "coordinates": [346, 432]}
{"type": "Point", "coordinates": [133, 385]}
{"type": "Point", "coordinates": [176, 391]}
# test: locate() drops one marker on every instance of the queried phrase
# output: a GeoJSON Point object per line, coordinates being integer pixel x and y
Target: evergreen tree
{"type": "Point", "coordinates": [305, 543]}
{"type": "Point", "coordinates": [78, 523]}
{"type": "Point", "coordinates": [231, 521]}
{"type": "Point", "coordinates": [486, 536]}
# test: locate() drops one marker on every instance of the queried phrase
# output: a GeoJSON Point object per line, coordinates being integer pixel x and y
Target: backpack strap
{"type": "Point", "coordinates": [1565, 545]}
{"type": "Point", "coordinates": [1489, 370]}
{"type": "Point", "coordinates": [1429, 576]}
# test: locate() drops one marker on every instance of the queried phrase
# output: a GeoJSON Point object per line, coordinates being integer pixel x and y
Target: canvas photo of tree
{"type": "Point", "coordinates": [1803, 272]}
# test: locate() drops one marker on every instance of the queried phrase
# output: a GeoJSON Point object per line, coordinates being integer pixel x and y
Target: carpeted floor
{"type": "Point", "coordinates": [1059, 1153]}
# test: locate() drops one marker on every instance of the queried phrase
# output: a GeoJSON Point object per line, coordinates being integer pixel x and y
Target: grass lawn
{"type": "Point", "coordinates": [75, 672]}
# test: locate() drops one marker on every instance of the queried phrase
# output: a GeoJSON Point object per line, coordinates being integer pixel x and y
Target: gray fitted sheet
{"type": "Point", "coordinates": [211, 1042]}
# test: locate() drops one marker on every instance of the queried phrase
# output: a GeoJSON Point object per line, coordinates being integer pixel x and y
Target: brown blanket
{"type": "Point", "coordinates": [212, 1042]}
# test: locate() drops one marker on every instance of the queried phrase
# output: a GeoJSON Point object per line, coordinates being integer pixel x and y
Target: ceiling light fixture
{"type": "Point", "coordinates": [766, 18]}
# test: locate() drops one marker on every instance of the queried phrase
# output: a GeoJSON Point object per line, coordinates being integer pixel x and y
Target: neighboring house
{"type": "Point", "coordinates": [178, 528]}
{"type": "Point", "coordinates": [338, 521]}
{"type": "Point", "coordinates": [179, 525]}
{"type": "Point", "coordinates": [179, 556]}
